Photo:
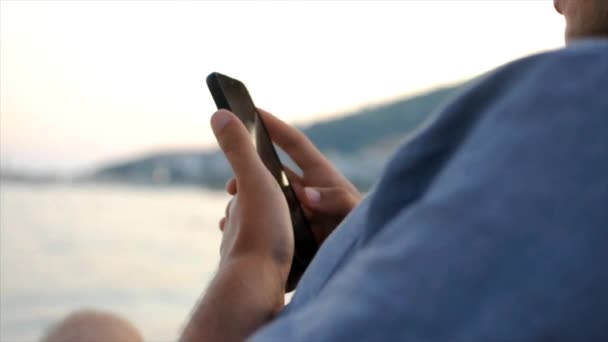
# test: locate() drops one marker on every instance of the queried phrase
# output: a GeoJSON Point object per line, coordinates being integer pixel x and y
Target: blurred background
{"type": "Point", "coordinates": [111, 180]}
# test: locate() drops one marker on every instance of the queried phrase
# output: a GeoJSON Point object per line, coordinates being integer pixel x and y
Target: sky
{"type": "Point", "coordinates": [87, 82]}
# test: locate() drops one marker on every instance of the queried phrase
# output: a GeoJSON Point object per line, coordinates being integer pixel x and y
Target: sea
{"type": "Point", "coordinates": [146, 254]}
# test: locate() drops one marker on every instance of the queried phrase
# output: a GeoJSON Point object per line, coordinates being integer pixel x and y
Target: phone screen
{"type": "Point", "coordinates": [232, 95]}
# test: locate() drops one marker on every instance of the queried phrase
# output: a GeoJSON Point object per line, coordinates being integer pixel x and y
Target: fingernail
{"type": "Point", "coordinates": [313, 195]}
{"type": "Point", "coordinates": [219, 120]}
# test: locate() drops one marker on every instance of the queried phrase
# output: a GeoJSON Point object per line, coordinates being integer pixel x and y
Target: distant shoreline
{"type": "Point", "coordinates": [103, 185]}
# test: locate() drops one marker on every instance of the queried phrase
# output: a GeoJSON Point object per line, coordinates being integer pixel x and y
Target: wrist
{"type": "Point", "coordinates": [260, 275]}
{"type": "Point", "coordinates": [276, 260]}
{"type": "Point", "coordinates": [244, 295]}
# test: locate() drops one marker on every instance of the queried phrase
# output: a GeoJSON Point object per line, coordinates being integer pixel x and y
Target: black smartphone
{"type": "Point", "coordinates": [232, 95]}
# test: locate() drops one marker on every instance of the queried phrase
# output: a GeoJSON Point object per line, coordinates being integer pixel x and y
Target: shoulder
{"type": "Point", "coordinates": [573, 78]}
{"type": "Point", "coordinates": [539, 105]}
{"type": "Point", "coordinates": [585, 62]}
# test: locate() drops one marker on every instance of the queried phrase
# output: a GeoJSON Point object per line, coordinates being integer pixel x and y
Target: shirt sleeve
{"type": "Point", "coordinates": [508, 242]}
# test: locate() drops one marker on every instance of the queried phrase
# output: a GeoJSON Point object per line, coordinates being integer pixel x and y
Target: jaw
{"type": "Point", "coordinates": [557, 4]}
{"type": "Point", "coordinates": [584, 18]}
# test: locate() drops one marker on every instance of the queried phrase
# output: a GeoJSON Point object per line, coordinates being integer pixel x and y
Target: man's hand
{"type": "Point", "coordinates": [326, 195]}
{"type": "Point", "coordinates": [257, 221]}
{"type": "Point", "coordinates": [257, 246]}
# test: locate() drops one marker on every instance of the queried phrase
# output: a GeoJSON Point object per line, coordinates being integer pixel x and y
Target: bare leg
{"type": "Point", "coordinates": [93, 326]}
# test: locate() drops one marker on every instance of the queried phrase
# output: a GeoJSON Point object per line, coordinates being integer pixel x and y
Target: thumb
{"type": "Point", "coordinates": [235, 142]}
{"type": "Point", "coordinates": [334, 200]}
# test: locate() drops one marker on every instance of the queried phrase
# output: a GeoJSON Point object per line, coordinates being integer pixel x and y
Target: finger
{"type": "Point", "coordinates": [235, 142]}
{"type": "Point", "coordinates": [301, 150]}
{"type": "Point", "coordinates": [337, 201]}
{"type": "Point", "coordinates": [231, 186]}
{"type": "Point", "coordinates": [227, 210]}
{"type": "Point", "coordinates": [222, 223]}
{"type": "Point", "coordinates": [298, 188]}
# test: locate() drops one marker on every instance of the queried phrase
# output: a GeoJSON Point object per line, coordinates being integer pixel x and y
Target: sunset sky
{"type": "Point", "coordinates": [84, 82]}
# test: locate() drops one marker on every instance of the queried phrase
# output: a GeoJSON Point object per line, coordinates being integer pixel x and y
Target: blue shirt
{"type": "Point", "coordinates": [489, 224]}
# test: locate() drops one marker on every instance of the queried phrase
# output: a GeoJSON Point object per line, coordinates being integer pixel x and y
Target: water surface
{"type": "Point", "coordinates": [144, 253]}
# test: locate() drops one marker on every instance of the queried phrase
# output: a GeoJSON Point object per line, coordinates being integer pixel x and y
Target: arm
{"type": "Point", "coordinates": [248, 290]}
{"type": "Point", "coordinates": [244, 295]}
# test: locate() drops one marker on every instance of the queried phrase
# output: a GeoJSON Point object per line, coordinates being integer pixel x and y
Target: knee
{"type": "Point", "coordinates": [93, 326]}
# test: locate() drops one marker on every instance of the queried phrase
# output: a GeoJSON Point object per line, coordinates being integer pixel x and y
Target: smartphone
{"type": "Point", "coordinates": [231, 94]}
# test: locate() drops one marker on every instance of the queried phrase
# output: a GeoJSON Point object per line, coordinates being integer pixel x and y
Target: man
{"type": "Point", "coordinates": [490, 224]}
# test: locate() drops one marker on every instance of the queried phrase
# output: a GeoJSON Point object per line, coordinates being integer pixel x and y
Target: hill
{"type": "Point", "coordinates": [359, 143]}
{"type": "Point", "coordinates": [373, 125]}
